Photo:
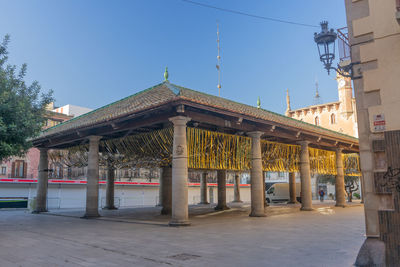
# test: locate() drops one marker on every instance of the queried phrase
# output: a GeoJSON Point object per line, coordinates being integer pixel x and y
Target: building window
{"type": "Point", "coordinates": [3, 170]}
{"type": "Point", "coordinates": [317, 120]}
{"type": "Point", "coordinates": [19, 168]}
{"type": "Point", "coordinates": [333, 119]}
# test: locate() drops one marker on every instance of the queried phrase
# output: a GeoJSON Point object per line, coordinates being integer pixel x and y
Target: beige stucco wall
{"type": "Point", "coordinates": [375, 42]}
{"type": "Point", "coordinates": [343, 110]}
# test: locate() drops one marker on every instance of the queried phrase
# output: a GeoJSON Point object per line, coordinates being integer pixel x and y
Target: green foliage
{"type": "Point", "coordinates": [22, 107]}
{"type": "Point", "coordinates": [357, 195]}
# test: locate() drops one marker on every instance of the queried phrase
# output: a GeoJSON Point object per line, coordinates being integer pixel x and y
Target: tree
{"type": "Point", "coordinates": [22, 107]}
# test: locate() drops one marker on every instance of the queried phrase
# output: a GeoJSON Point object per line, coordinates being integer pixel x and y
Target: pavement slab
{"type": "Point", "coordinates": [327, 236]}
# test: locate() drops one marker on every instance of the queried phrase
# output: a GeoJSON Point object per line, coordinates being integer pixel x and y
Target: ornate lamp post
{"type": "Point", "coordinates": [325, 41]}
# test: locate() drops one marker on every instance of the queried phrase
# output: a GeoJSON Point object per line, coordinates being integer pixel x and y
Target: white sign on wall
{"type": "Point", "coordinates": [379, 123]}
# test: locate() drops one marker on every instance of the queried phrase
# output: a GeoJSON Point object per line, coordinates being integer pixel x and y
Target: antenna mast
{"type": "Point", "coordinates": [218, 63]}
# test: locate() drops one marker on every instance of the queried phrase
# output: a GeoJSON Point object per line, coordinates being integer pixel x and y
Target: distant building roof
{"type": "Point", "coordinates": [72, 110]}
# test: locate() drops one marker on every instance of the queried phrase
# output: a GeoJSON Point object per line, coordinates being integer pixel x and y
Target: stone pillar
{"type": "Point", "coordinates": [305, 177]}
{"type": "Point", "coordinates": [292, 188]}
{"type": "Point", "coordinates": [236, 193]}
{"type": "Point", "coordinates": [160, 189]}
{"type": "Point", "coordinates": [41, 193]}
{"type": "Point", "coordinates": [180, 209]}
{"type": "Point", "coordinates": [221, 180]}
{"type": "Point", "coordinates": [203, 189]}
{"type": "Point", "coordinates": [92, 186]}
{"type": "Point", "coordinates": [264, 197]}
{"type": "Point", "coordinates": [110, 188]}
{"type": "Point", "coordinates": [339, 183]}
{"type": "Point", "coordinates": [256, 173]}
{"type": "Point", "coordinates": [211, 188]}
{"type": "Point", "coordinates": [166, 194]}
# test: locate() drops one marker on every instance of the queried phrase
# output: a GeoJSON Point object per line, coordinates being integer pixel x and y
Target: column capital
{"type": "Point", "coordinates": [94, 138]}
{"type": "Point", "coordinates": [255, 134]}
{"type": "Point", "coordinates": [303, 142]}
{"type": "Point", "coordinates": [43, 149]}
{"type": "Point", "coordinates": [339, 149]}
{"type": "Point", "coordinates": [179, 120]}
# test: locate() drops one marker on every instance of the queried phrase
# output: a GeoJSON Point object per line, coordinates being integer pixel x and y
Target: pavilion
{"type": "Point", "coordinates": [206, 132]}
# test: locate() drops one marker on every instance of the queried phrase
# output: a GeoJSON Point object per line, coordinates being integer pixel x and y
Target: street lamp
{"type": "Point", "coordinates": [325, 41]}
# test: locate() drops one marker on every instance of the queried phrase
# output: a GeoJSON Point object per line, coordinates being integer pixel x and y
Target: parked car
{"type": "Point", "coordinates": [279, 192]}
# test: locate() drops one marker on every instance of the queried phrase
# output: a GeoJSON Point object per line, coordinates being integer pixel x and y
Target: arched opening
{"type": "Point", "coordinates": [333, 119]}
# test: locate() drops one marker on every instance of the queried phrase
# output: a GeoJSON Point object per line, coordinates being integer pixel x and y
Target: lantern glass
{"type": "Point", "coordinates": [325, 41]}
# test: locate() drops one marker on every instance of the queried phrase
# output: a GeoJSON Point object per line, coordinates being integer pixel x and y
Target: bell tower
{"type": "Point", "coordinates": [345, 94]}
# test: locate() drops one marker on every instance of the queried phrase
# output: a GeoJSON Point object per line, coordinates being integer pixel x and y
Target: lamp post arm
{"type": "Point", "coordinates": [347, 71]}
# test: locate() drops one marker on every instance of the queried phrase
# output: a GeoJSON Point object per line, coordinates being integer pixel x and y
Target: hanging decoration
{"type": "Point", "coordinates": [208, 150]}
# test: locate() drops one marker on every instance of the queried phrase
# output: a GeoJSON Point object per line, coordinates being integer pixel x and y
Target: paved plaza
{"type": "Point", "coordinates": [140, 237]}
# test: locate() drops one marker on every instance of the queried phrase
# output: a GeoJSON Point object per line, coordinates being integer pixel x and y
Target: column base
{"type": "Point", "coordinates": [372, 253]}
{"type": "Point", "coordinates": [90, 216]}
{"type": "Point", "coordinates": [222, 208]}
{"type": "Point", "coordinates": [257, 214]}
{"type": "Point", "coordinates": [179, 223]}
{"type": "Point", "coordinates": [341, 205]}
{"type": "Point", "coordinates": [306, 209]}
{"type": "Point", "coordinates": [110, 208]}
{"type": "Point", "coordinates": [237, 201]}
{"type": "Point", "coordinates": [204, 203]}
{"type": "Point", "coordinates": [165, 211]}
{"type": "Point", "coordinates": [37, 211]}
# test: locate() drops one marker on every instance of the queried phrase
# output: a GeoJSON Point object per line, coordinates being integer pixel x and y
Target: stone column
{"type": "Point", "coordinates": [180, 209]}
{"type": "Point", "coordinates": [221, 180]}
{"type": "Point", "coordinates": [166, 194]}
{"type": "Point", "coordinates": [236, 194]}
{"type": "Point", "coordinates": [305, 177]}
{"type": "Point", "coordinates": [160, 190]}
{"type": "Point", "coordinates": [110, 188]}
{"type": "Point", "coordinates": [256, 173]}
{"type": "Point", "coordinates": [211, 188]}
{"type": "Point", "coordinates": [41, 193]}
{"type": "Point", "coordinates": [203, 189]}
{"type": "Point", "coordinates": [92, 186]}
{"type": "Point", "coordinates": [264, 197]}
{"type": "Point", "coordinates": [339, 184]}
{"type": "Point", "coordinates": [292, 188]}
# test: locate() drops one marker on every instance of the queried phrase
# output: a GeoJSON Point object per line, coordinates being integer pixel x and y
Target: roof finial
{"type": "Point", "coordinates": [258, 103]}
{"type": "Point", "coordinates": [288, 108]}
{"type": "Point", "coordinates": [166, 74]}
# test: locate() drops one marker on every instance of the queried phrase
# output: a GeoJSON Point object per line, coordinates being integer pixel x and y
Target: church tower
{"type": "Point", "coordinates": [345, 95]}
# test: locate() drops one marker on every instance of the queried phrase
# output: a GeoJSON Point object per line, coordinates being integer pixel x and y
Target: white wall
{"type": "Point", "coordinates": [74, 195]}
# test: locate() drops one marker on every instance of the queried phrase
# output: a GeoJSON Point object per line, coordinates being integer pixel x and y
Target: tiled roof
{"type": "Point", "coordinates": [167, 92]}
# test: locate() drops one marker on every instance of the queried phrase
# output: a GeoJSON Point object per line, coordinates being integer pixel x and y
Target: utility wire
{"type": "Point", "coordinates": [249, 15]}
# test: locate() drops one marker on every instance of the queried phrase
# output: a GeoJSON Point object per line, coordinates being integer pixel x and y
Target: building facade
{"type": "Point", "coordinates": [27, 166]}
{"type": "Point", "coordinates": [339, 116]}
{"type": "Point", "coordinates": [374, 36]}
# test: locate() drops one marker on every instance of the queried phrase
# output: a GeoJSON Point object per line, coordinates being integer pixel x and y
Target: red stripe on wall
{"type": "Point", "coordinates": [56, 181]}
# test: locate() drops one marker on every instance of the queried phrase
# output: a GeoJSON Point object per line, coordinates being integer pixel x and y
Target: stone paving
{"type": "Point", "coordinates": [327, 236]}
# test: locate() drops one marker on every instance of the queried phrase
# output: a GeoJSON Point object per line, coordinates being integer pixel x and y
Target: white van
{"type": "Point", "coordinates": [279, 192]}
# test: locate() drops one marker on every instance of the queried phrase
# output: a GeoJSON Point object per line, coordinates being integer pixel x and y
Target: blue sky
{"type": "Point", "coordinates": [94, 52]}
